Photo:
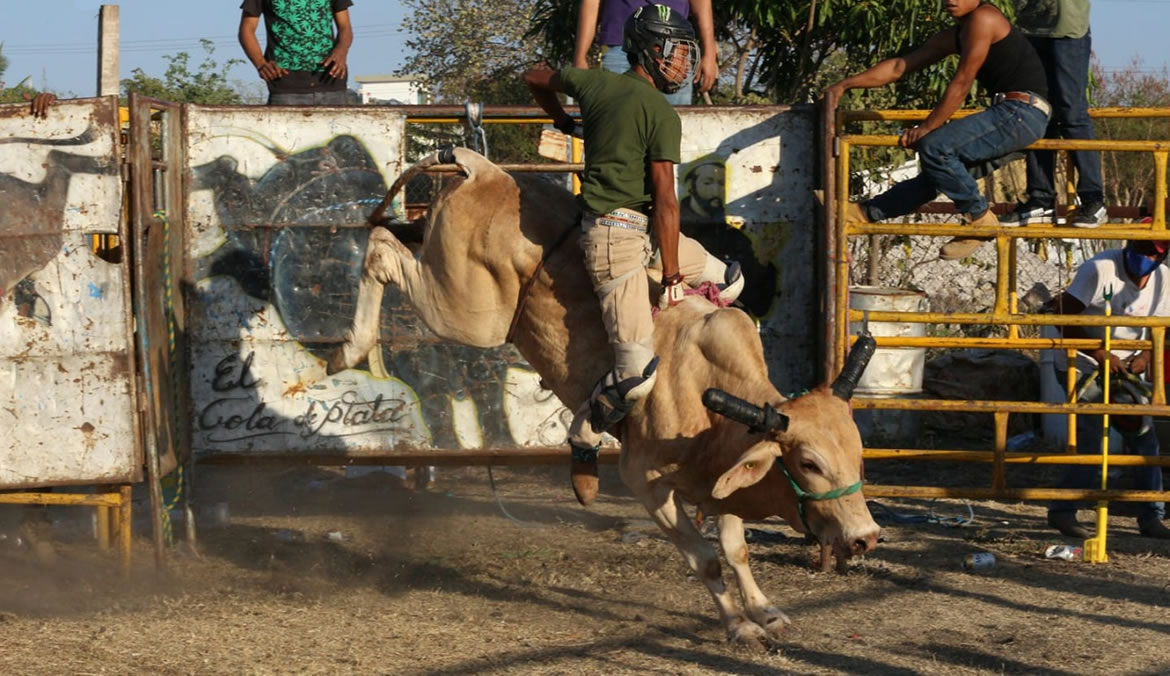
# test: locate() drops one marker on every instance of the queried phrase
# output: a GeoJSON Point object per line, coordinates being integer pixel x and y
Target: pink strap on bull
{"type": "Point", "coordinates": [708, 290]}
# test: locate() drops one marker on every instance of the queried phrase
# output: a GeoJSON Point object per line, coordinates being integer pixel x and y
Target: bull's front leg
{"type": "Point", "coordinates": [386, 258]}
{"type": "Point", "coordinates": [758, 607]}
{"type": "Point", "coordinates": [668, 513]}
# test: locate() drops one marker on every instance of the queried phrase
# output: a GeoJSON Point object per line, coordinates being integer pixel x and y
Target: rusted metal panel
{"type": "Point", "coordinates": [765, 157]}
{"type": "Point", "coordinates": [67, 400]}
{"type": "Point", "coordinates": [273, 266]}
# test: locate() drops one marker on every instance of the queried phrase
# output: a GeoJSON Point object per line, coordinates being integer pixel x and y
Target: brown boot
{"type": "Point", "coordinates": [583, 473]}
{"type": "Point", "coordinates": [961, 247]}
{"type": "Point", "coordinates": [1155, 529]}
{"type": "Point", "coordinates": [1066, 523]}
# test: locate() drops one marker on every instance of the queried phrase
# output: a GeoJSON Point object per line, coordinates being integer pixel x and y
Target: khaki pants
{"type": "Point", "coordinates": [616, 259]}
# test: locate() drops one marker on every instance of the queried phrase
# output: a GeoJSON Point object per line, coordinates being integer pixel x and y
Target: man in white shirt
{"type": "Point", "coordinates": [1134, 283]}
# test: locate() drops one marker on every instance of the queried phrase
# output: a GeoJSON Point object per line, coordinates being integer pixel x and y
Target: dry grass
{"type": "Point", "coordinates": [443, 583]}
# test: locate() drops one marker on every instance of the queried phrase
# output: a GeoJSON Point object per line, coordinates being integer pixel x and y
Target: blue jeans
{"type": "Point", "coordinates": [1089, 476]}
{"type": "Point", "coordinates": [1066, 61]}
{"type": "Point", "coordinates": [947, 152]}
{"type": "Point", "coordinates": [336, 97]}
{"type": "Point", "coordinates": [613, 59]}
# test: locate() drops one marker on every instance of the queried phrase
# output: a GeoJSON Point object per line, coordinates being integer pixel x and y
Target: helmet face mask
{"type": "Point", "coordinates": [663, 43]}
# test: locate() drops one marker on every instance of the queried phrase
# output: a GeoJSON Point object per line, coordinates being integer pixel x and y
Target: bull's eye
{"type": "Point", "coordinates": [749, 465]}
{"type": "Point", "coordinates": [810, 467]}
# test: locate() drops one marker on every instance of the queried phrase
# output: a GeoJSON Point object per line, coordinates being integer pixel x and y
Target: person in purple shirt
{"type": "Point", "coordinates": [602, 21]}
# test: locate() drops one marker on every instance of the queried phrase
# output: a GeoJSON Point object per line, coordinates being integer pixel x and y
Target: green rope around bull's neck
{"type": "Point", "coordinates": [802, 495]}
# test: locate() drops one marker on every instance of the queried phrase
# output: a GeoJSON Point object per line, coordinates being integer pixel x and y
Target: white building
{"type": "Point", "coordinates": [392, 89]}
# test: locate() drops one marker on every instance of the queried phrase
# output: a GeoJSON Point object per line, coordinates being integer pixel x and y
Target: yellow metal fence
{"type": "Point", "coordinates": [1005, 313]}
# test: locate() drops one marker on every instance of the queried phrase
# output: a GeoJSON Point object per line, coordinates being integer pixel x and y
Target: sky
{"type": "Point", "coordinates": [54, 42]}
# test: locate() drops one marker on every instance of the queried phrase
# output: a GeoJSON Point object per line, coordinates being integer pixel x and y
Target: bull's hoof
{"type": "Point", "coordinates": [746, 633]}
{"type": "Point", "coordinates": [584, 478]}
{"type": "Point", "coordinates": [773, 620]}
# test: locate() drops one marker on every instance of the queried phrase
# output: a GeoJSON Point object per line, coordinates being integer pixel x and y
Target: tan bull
{"type": "Point", "coordinates": [488, 233]}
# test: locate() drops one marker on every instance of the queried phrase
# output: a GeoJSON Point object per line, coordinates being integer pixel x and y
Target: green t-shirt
{"type": "Point", "coordinates": [1053, 18]}
{"type": "Point", "coordinates": [628, 123]}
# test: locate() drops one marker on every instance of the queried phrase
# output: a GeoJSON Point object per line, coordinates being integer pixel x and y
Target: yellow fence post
{"type": "Point", "coordinates": [1094, 549]}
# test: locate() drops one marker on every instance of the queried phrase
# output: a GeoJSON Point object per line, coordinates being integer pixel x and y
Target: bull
{"type": "Point", "coordinates": [496, 264]}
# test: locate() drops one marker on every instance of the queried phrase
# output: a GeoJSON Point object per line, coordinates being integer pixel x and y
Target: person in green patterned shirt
{"type": "Point", "coordinates": [303, 61]}
{"type": "Point", "coordinates": [629, 208]}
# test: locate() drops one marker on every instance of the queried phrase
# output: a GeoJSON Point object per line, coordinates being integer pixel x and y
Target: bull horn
{"type": "Point", "coordinates": [854, 366]}
{"type": "Point", "coordinates": [444, 155]}
{"type": "Point", "coordinates": [757, 418]}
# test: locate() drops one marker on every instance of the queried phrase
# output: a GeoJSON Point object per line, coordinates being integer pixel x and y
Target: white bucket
{"type": "Point", "coordinates": [892, 371]}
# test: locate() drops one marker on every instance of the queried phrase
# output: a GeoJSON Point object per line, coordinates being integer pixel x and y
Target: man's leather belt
{"type": "Point", "coordinates": [623, 218]}
{"type": "Point", "coordinates": [1026, 97]}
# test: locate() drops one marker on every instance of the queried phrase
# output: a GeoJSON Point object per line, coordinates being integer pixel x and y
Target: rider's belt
{"type": "Point", "coordinates": [1027, 97]}
{"type": "Point", "coordinates": [624, 218]}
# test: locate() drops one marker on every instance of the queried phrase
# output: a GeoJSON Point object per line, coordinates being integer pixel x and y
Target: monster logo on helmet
{"type": "Point", "coordinates": [663, 43]}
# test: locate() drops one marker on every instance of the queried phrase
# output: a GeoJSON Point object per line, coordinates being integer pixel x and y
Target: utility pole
{"type": "Point", "coordinates": [108, 46]}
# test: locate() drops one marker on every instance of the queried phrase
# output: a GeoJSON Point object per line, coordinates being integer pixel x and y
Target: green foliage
{"type": "Point", "coordinates": [1129, 176]}
{"type": "Point", "coordinates": [207, 85]}
{"type": "Point", "coordinates": [16, 93]}
{"type": "Point", "coordinates": [475, 50]}
{"type": "Point", "coordinates": [787, 52]}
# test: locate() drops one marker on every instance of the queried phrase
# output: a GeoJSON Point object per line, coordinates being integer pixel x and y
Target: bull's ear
{"type": "Point", "coordinates": [749, 469]}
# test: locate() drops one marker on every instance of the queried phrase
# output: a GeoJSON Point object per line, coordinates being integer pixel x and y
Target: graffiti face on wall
{"type": "Point", "coordinates": [703, 217]}
{"type": "Point", "coordinates": [290, 242]}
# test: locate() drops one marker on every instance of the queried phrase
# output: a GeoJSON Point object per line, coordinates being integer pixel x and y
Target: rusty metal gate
{"type": "Point", "coordinates": [69, 409]}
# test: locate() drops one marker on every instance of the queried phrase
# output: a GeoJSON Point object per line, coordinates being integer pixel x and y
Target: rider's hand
{"type": "Point", "coordinates": [673, 291]}
{"type": "Point", "coordinates": [566, 125]}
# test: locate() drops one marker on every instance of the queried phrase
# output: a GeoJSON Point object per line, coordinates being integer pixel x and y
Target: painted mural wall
{"type": "Point", "coordinates": [67, 413]}
{"type": "Point", "coordinates": [276, 207]}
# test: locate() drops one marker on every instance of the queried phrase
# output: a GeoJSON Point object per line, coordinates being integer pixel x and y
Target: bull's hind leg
{"type": "Point", "coordinates": [388, 261]}
{"type": "Point", "coordinates": [758, 607]}
{"type": "Point", "coordinates": [668, 513]}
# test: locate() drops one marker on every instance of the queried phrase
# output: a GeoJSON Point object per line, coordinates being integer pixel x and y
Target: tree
{"type": "Point", "coordinates": [786, 52]}
{"type": "Point", "coordinates": [12, 94]}
{"type": "Point", "coordinates": [475, 50]}
{"type": "Point", "coordinates": [1129, 176]}
{"type": "Point", "coordinates": [208, 85]}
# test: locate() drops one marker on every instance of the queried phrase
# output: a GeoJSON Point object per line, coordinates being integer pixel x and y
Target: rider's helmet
{"type": "Point", "coordinates": [663, 42]}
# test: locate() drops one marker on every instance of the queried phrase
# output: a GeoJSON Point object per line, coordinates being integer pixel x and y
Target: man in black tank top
{"type": "Point", "coordinates": [996, 54]}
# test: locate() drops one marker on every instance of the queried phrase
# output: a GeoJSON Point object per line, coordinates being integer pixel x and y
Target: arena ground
{"type": "Point", "coordinates": [443, 582]}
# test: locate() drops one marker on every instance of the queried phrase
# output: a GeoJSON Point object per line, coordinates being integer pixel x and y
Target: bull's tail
{"type": "Point", "coordinates": [459, 160]}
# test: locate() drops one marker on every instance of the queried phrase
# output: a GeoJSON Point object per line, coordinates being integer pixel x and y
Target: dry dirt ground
{"type": "Point", "coordinates": [444, 582]}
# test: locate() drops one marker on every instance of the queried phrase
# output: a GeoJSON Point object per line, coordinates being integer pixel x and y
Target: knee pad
{"type": "Point", "coordinates": [613, 399]}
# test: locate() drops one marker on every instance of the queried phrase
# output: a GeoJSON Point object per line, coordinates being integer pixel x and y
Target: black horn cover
{"type": "Point", "coordinates": [854, 366]}
{"type": "Point", "coordinates": [757, 418]}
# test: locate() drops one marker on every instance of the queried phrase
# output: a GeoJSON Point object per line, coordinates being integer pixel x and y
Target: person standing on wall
{"type": "Point", "coordinates": [303, 61]}
{"type": "Point", "coordinates": [604, 20]}
{"type": "Point", "coordinates": [1059, 31]}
